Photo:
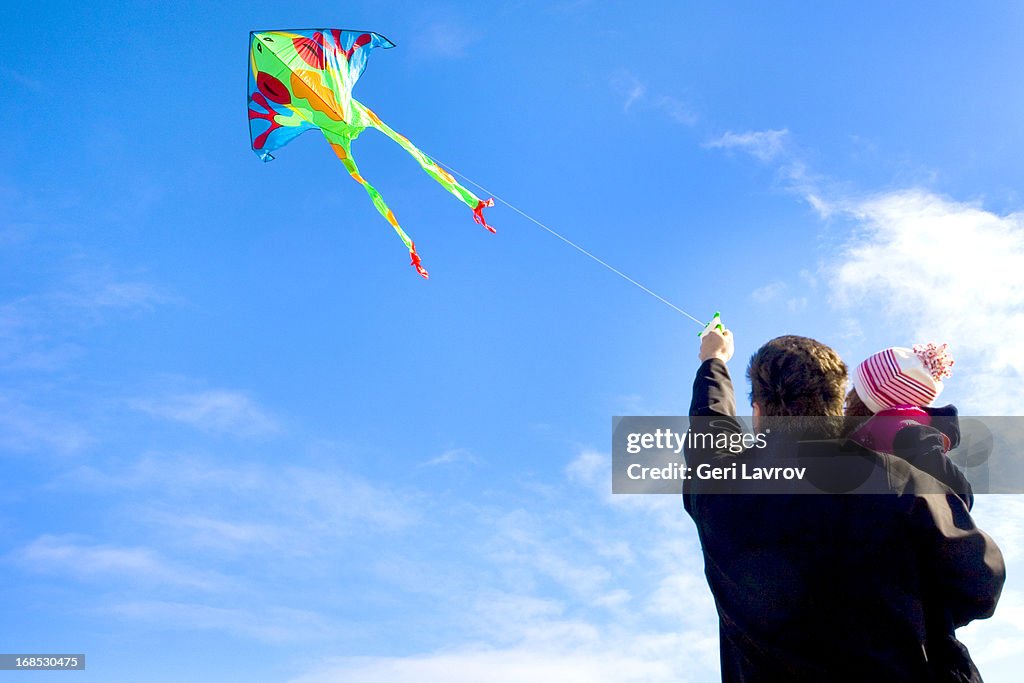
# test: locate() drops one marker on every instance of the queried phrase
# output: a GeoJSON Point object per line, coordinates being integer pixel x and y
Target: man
{"type": "Point", "coordinates": [813, 583]}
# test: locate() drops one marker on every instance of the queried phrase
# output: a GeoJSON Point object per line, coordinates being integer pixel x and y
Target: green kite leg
{"type": "Point", "coordinates": [368, 118]}
{"type": "Point", "coordinates": [342, 147]}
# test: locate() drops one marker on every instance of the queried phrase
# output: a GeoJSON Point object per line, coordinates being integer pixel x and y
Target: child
{"type": "Point", "coordinates": [895, 388]}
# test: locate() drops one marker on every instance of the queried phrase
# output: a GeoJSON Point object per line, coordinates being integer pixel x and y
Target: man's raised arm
{"type": "Point", "coordinates": [712, 389]}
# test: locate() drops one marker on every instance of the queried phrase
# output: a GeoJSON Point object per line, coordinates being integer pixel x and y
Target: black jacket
{"type": "Point", "coordinates": [823, 587]}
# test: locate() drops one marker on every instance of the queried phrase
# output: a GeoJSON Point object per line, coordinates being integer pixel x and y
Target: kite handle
{"type": "Point", "coordinates": [714, 324]}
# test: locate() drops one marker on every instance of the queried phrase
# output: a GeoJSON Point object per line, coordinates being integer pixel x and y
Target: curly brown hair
{"type": "Point", "coordinates": [797, 377]}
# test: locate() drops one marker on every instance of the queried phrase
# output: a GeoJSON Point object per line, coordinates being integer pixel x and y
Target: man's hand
{"type": "Point", "coordinates": [716, 344]}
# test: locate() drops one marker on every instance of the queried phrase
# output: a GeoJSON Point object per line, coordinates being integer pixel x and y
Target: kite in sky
{"type": "Point", "coordinates": [303, 79]}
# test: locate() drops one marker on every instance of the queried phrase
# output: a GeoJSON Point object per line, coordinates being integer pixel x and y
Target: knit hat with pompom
{"type": "Point", "coordinates": [902, 377]}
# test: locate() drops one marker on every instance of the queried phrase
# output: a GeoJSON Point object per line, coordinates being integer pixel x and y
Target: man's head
{"type": "Point", "coordinates": [796, 377]}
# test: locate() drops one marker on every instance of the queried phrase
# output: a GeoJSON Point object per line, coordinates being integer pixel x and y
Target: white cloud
{"type": "Point", "coordinates": [453, 455]}
{"type": "Point", "coordinates": [333, 501]}
{"type": "Point", "coordinates": [527, 638]}
{"type": "Point", "coordinates": [269, 625]}
{"type": "Point", "coordinates": [769, 292]}
{"type": "Point", "coordinates": [809, 279]}
{"type": "Point", "coordinates": [1002, 516]}
{"type": "Point", "coordinates": [223, 535]}
{"type": "Point", "coordinates": [589, 467]}
{"type": "Point", "coordinates": [584, 589]}
{"type": "Point", "coordinates": [96, 288]}
{"type": "Point", "coordinates": [796, 304]}
{"type": "Point", "coordinates": [39, 331]}
{"type": "Point", "coordinates": [918, 267]}
{"type": "Point", "coordinates": [998, 641]}
{"type": "Point", "coordinates": [576, 584]}
{"type": "Point", "coordinates": [105, 563]}
{"type": "Point", "coordinates": [296, 506]}
{"type": "Point", "coordinates": [680, 596]}
{"type": "Point", "coordinates": [213, 410]}
{"type": "Point", "coordinates": [273, 625]}
{"type": "Point", "coordinates": [676, 109]}
{"type": "Point", "coordinates": [192, 504]}
{"type": "Point", "coordinates": [648, 662]}
{"type": "Point", "coordinates": [774, 291]}
{"type": "Point", "coordinates": [635, 95]}
{"type": "Point", "coordinates": [24, 428]}
{"type": "Point", "coordinates": [629, 86]}
{"type": "Point", "coordinates": [765, 145]}
{"type": "Point", "coordinates": [923, 267]}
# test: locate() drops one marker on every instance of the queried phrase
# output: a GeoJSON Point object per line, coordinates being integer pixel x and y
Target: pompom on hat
{"type": "Point", "coordinates": [899, 376]}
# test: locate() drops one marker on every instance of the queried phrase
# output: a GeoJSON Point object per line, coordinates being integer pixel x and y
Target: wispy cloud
{"type": "Point", "coordinates": [579, 582]}
{"type": "Point", "coordinates": [776, 292]}
{"type": "Point", "coordinates": [999, 641]}
{"type": "Point", "coordinates": [92, 292]}
{"type": "Point", "coordinates": [204, 531]}
{"type": "Point", "coordinates": [649, 661]}
{"type": "Point", "coordinates": [215, 410]}
{"type": "Point", "coordinates": [765, 145]}
{"type": "Point", "coordinates": [769, 292]}
{"type": "Point", "coordinates": [675, 109]}
{"type": "Point", "coordinates": [39, 331]}
{"type": "Point", "coordinates": [669, 637]}
{"type": "Point", "coordinates": [452, 456]}
{"type": "Point", "coordinates": [238, 547]}
{"type": "Point", "coordinates": [629, 86]}
{"type": "Point", "coordinates": [522, 541]}
{"type": "Point", "coordinates": [106, 563]}
{"type": "Point", "coordinates": [636, 96]}
{"type": "Point", "coordinates": [245, 508]}
{"type": "Point", "coordinates": [796, 304]}
{"type": "Point", "coordinates": [25, 428]}
{"type": "Point", "coordinates": [589, 468]}
{"type": "Point", "coordinates": [274, 625]}
{"type": "Point", "coordinates": [595, 590]}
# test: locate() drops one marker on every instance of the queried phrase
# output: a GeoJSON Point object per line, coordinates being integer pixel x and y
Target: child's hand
{"type": "Point", "coordinates": [716, 344]}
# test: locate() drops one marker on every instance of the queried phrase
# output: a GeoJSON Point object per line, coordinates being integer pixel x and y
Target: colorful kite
{"type": "Point", "coordinates": [300, 80]}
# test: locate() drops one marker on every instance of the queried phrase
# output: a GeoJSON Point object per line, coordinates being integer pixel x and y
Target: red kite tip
{"type": "Point", "coordinates": [478, 213]}
{"type": "Point", "coordinates": [417, 263]}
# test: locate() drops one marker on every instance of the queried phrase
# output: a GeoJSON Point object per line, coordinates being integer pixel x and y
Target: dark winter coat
{"type": "Point", "coordinates": [816, 587]}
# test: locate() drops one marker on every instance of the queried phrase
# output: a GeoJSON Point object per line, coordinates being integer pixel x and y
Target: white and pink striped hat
{"type": "Point", "coordinates": [902, 377]}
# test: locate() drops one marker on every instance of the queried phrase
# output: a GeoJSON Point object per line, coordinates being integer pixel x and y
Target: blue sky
{"type": "Point", "coordinates": [242, 440]}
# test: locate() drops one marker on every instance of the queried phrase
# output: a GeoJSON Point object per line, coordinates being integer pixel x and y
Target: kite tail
{"type": "Point", "coordinates": [430, 166]}
{"type": "Point", "coordinates": [478, 213]}
{"type": "Point", "coordinates": [345, 154]}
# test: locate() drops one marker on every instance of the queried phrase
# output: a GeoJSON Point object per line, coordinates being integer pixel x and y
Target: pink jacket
{"type": "Point", "coordinates": [879, 432]}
